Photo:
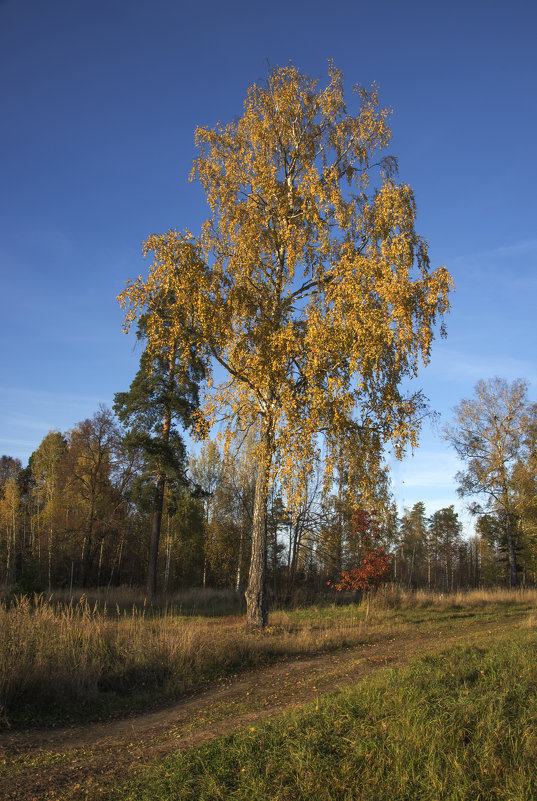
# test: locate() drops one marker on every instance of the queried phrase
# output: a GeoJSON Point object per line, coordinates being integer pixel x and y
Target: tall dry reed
{"type": "Point", "coordinates": [56, 656]}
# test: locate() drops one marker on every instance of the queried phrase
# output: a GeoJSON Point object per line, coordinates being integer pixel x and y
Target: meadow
{"type": "Point", "coordinates": [454, 726]}
{"type": "Point", "coordinates": [414, 696]}
{"type": "Point", "coordinates": [89, 658]}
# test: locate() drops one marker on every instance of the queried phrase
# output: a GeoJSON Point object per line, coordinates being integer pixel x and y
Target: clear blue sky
{"type": "Point", "coordinates": [99, 102]}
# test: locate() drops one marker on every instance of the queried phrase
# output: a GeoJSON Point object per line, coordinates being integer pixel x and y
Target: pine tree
{"type": "Point", "coordinates": [164, 393]}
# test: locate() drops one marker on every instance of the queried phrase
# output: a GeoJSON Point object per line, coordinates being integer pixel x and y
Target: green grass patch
{"type": "Point", "coordinates": [457, 726]}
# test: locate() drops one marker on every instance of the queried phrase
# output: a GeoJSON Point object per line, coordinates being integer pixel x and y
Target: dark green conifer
{"type": "Point", "coordinates": [163, 395]}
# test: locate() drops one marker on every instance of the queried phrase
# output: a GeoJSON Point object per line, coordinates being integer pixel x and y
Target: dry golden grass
{"type": "Point", "coordinates": [80, 658]}
{"type": "Point", "coordinates": [193, 600]}
{"type": "Point", "coordinates": [420, 599]}
{"type": "Point", "coordinates": [55, 655]}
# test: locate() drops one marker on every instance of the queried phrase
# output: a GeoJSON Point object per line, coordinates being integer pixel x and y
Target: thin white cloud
{"type": "Point", "coordinates": [521, 248]}
{"type": "Point", "coordinates": [41, 412]}
{"type": "Point", "coordinates": [19, 443]}
{"type": "Point", "coordinates": [426, 474]}
{"type": "Point", "coordinates": [52, 398]}
{"type": "Point", "coordinates": [524, 246]}
{"type": "Point", "coordinates": [30, 423]}
{"type": "Point", "coordinates": [461, 365]}
{"type": "Point", "coordinates": [507, 268]}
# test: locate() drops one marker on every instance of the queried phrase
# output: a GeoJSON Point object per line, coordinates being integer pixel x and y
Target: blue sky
{"type": "Point", "coordinates": [100, 100]}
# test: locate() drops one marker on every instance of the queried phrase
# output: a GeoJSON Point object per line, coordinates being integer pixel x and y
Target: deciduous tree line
{"type": "Point", "coordinates": [494, 434]}
{"type": "Point", "coordinates": [82, 512]}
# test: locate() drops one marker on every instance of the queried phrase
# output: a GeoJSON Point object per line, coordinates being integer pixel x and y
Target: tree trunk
{"type": "Point", "coordinates": [151, 584]}
{"type": "Point", "coordinates": [99, 567]}
{"type": "Point", "coordinates": [8, 555]}
{"type": "Point", "coordinates": [511, 551]}
{"type": "Point", "coordinates": [87, 546]}
{"type": "Point", "coordinates": [86, 561]}
{"type": "Point", "coordinates": [50, 536]}
{"type": "Point", "coordinates": [256, 593]}
{"type": "Point", "coordinates": [411, 574]}
{"type": "Point", "coordinates": [168, 556]}
{"type": "Point", "coordinates": [239, 561]}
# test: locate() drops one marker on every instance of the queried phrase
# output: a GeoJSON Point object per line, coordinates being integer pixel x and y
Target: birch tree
{"type": "Point", "coordinates": [489, 433]}
{"type": "Point", "coordinates": [96, 473]}
{"type": "Point", "coordinates": [45, 465]}
{"type": "Point", "coordinates": [10, 501]}
{"type": "Point", "coordinates": [308, 287]}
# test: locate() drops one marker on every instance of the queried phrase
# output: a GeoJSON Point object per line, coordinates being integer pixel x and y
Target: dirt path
{"type": "Point", "coordinates": [74, 763]}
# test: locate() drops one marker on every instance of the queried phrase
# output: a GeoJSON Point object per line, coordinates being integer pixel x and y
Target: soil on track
{"type": "Point", "coordinates": [74, 763]}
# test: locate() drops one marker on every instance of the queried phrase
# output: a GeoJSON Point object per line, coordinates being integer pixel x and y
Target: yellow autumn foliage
{"type": "Point", "coordinates": [308, 286]}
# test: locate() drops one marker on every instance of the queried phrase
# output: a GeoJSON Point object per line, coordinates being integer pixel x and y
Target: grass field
{"type": "Point", "coordinates": [62, 661]}
{"type": "Point", "coordinates": [457, 723]}
{"type": "Point", "coordinates": [457, 726]}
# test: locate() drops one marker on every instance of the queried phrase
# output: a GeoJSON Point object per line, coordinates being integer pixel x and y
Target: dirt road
{"type": "Point", "coordinates": [75, 762]}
